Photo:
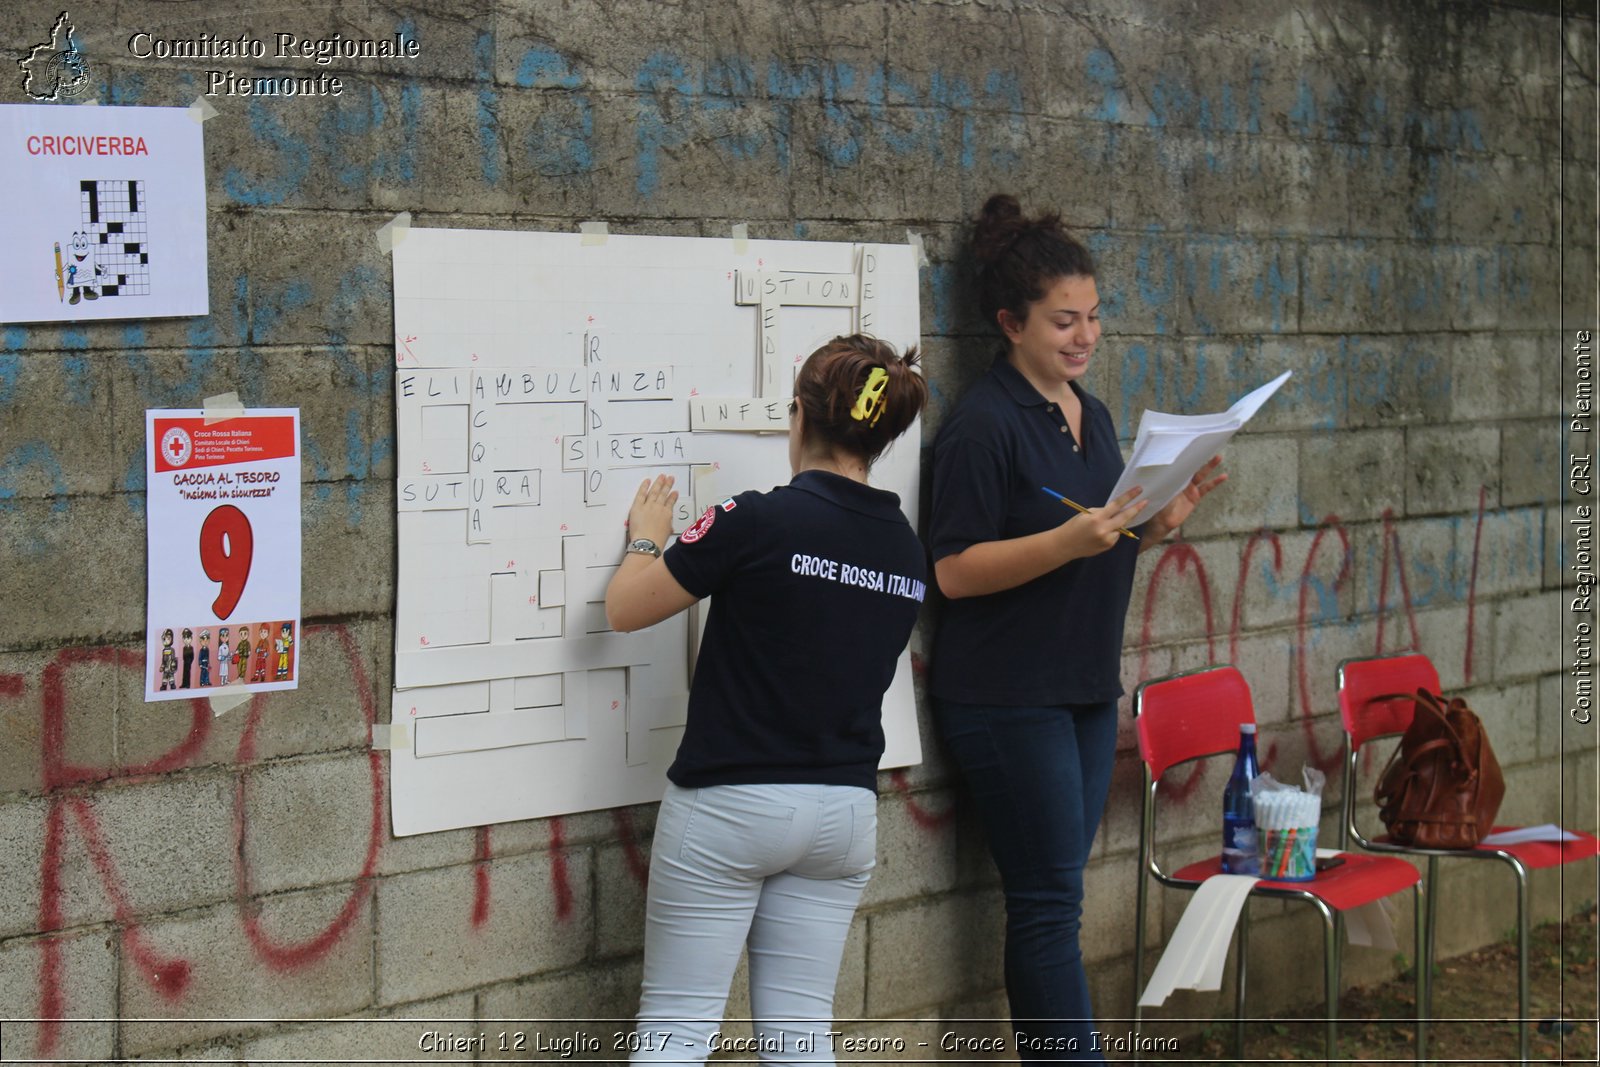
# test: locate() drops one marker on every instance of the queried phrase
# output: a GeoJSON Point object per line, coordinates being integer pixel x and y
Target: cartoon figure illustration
{"type": "Point", "coordinates": [244, 651]}
{"type": "Point", "coordinates": [188, 657]}
{"type": "Point", "coordinates": [169, 661]}
{"type": "Point", "coordinates": [83, 273]}
{"type": "Point", "coordinates": [222, 656]}
{"type": "Point", "coordinates": [205, 657]}
{"type": "Point", "coordinates": [285, 642]}
{"type": "Point", "coordinates": [259, 673]}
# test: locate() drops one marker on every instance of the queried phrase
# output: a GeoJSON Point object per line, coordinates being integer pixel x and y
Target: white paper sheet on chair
{"type": "Point", "coordinates": [1199, 947]}
{"type": "Point", "coordinates": [1547, 832]}
{"type": "Point", "coordinates": [1370, 925]}
{"type": "Point", "coordinates": [1198, 951]}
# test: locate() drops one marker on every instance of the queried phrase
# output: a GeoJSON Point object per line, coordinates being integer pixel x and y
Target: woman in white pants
{"type": "Point", "coordinates": [768, 830]}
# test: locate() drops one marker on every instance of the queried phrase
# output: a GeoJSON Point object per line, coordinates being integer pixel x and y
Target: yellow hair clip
{"type": "Point", "coordinates": [869, 405]}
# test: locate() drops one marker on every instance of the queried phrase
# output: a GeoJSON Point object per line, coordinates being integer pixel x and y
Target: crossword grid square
{"type": "Point", "coordinates": [113, 215]}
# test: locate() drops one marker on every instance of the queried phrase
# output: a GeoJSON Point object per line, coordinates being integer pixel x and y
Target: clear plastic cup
{"type": "Point", "coordinates": [1289, 855]}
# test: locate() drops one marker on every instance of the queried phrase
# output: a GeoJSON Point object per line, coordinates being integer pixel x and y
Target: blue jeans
{"type": "Point", "coordinates": [782, 866]}
{"type": "Point", "coordinates": [1039, 777]}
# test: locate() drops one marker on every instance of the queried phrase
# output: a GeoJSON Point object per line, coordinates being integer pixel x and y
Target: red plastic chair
{"type": "Point", "coordinates": [1197, 714]}
{"type": "Point", "coordinates": [1368, 719]}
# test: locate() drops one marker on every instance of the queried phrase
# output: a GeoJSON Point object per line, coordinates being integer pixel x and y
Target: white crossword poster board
{"type": "Point", "coordinates": [223, 510]}
{"type": "Point", "coordinates": [105, 215]}
{"type": "Point", "coordinates": [539, 378]}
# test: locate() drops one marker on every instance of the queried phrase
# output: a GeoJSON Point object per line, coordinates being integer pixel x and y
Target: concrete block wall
{"type": "Point", "coordinates": [1384, 198]}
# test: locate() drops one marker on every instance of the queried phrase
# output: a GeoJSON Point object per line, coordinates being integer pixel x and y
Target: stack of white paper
{"type": "Point", "coordinates": [1169, 449]}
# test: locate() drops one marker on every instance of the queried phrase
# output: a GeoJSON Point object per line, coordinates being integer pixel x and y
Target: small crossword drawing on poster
{"type": "Point", "coordinates": [114, 222]}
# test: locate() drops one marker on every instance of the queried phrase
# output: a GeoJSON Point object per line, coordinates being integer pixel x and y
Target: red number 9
{"type": "Point", "coordinates": [226, 547]}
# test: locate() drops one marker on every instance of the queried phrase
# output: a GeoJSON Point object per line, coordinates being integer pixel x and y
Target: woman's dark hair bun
{"type": "Point", "coordinates": [999, 224]}
{"type": "Point", "coordinates": [1018, 257]}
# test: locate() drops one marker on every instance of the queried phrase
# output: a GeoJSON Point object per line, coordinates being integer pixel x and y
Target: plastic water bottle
{"type": "Point", "coordinates": [1239, 849]}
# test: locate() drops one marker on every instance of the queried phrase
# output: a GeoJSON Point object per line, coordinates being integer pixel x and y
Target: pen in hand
{"type": "Point", "coordinates": [1080, 509]}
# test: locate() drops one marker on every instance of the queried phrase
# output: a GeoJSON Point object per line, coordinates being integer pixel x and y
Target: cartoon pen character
{"type": "Point", "coordinates": [259, 673]}
{"type": "Point", "coordinates": [83, 273]}
{"type": "Point", "coordinates": [244, 652]}
{"type": "Point", "coordinates": [169, 661]}
{"type": "Point", "coordinates": [222, 656]}
{"type": "Point", "coordinates": [285, 642]}
{"type": "Point", "coordinates": [188, 657]}
{"type": "Point", "coordinates": [205, 657]}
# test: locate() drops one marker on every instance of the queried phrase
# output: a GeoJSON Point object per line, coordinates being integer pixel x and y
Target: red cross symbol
{"type": "Point", "coordinates": [176, 448]}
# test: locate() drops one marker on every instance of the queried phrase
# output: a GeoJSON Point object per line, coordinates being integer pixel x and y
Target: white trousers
{"type": "Point", "coordinates": [781, 867]}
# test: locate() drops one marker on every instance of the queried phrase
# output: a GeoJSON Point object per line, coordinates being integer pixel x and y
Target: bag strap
{"type": "Point", "coordinates": [1435, 704]}
{"type": "Point", "coordinates": [1402, 765]}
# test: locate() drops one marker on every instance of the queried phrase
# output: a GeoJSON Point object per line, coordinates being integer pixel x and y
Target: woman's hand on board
{"type": "Point", "coordinates": [650, 516]}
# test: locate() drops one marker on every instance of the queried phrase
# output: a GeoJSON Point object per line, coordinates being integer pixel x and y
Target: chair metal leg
{"type": "Point", "coordinates": [1522, 957]}
{"type": "Point", "coordinates": [1138, 946]}
{"type": "Point", "coordinates": [1138, 955]}
{"type": "Point", "coordinates": [1242, 947]}
{"type": "Point", "coordinates": [1432, 915]}
{"type": "Point", "coordinates": [1147, 836]}
{"type": "Point", "coordinates": [1420, 975]}
{"type": "Point", "coordinates": [1330, 977]}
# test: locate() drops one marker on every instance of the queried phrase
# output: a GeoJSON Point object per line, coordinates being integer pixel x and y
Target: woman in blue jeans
{"type": "Point", "coordinates": [768, 830]}
{"type": "Point", "coordinates": [1025, 664]}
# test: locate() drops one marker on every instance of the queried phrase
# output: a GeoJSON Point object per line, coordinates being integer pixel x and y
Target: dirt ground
{"type": "Point", "coordinates": [1472, 997]}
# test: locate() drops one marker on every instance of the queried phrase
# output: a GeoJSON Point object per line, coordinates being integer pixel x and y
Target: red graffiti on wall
{"type": "Point", "coordinates": [559, 881]}
{"type": "Point", "coordinates": [481, 854]}
{"type": "Point", "coordinates": [638, 866]}
{"type": "Point", "coordinates": [924, 817]}
{"type": "Point", "coordinates": [169, 977]}
{"type": "Point", "coordinates": [1391, 538]}
{"type": "Point", "coordinates": [1237, 624]}
{"type": "Point", "coordinates": [1314, 754]}
{"type": "Point", "coordinates": [1472, 585]}
{"type": "Point", "coordinates": [276, 955]}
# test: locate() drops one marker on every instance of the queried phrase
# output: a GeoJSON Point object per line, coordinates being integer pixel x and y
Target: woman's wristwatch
{"type": "Point", "coordinates": [644, 546]}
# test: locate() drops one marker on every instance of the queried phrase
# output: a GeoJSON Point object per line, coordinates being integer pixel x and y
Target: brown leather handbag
{"type": "Point", "coordinates": [1442, 787]}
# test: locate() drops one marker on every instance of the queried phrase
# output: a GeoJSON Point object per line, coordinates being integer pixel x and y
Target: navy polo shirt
{"type": "Point", "coordinates": [814, 589]}
{"type": "Point", "coordinates": [1058, 638]}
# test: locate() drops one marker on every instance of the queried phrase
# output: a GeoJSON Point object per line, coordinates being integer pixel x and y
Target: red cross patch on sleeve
{"type": "Point", "coordinates": [701, 525]}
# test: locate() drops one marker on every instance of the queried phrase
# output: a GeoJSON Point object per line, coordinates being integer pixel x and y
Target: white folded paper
{"type": "Point", "coordinates": [1195, 956]}
{"type": "Point", "coordinates": [1169, 449]}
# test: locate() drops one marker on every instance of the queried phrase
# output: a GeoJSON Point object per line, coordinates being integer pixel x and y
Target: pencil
{"type": "Point", "coordinates": [1080, 509]}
